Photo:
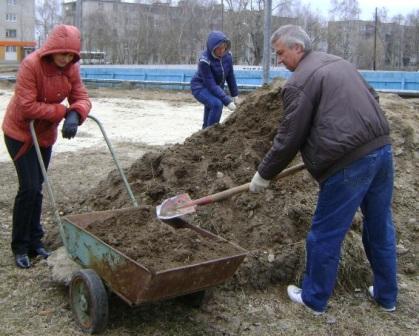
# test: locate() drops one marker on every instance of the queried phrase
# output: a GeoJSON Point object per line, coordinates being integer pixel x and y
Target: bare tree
{"type": "Point", "coordinates": [344, 38]}
{"type": "Point", "coordinates": [176, 32]}
{"type": "Point", "coordinates": [244, 25]}
{"type": "Point", "coordinates": [344, 10]}
{"type": "Point", "coordinates": [253, 36]}
{"type": "Point", "coordinates": [285, 8]}
{"type": "Point", "coordinates": [98, 33]}
{"type": "Point", "coordinates": [312, 22]}
{"type": "Point", "coordinates": [48, 14]}
{"type": "Point", "coordinates": [412, 20]}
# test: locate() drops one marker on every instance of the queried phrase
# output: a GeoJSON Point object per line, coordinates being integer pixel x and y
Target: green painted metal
{"type": "Point", "coordinates": [87, 250]}
{"type": "Point", "coordinates": [131, 280]}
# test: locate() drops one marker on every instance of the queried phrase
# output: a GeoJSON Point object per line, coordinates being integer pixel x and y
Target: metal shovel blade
{"type": "Point", "coordinates": [176, 206]}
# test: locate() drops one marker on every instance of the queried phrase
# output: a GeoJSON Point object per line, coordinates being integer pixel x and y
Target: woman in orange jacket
{"type": "Point", "coordinates": [46, 78]}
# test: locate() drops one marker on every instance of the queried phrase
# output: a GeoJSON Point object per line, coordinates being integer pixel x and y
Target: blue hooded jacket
{"type": "Point", "coordinates": [213, 72]}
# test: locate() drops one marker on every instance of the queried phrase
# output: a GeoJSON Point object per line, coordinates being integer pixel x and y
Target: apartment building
{"type": "Point", "coordinates": [159, 32]}
{"type": "Point", "coordinates": [134, 32]}
{"type": "Point", "coordinates": [17, 29]}
{"type": "Point", "coordinates": [393, 45]}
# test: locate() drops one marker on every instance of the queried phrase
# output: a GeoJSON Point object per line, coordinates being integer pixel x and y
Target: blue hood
{"type": "Point", "coordinates": [214, 39]}
{"type": "Point", "coordinates": [213, 72]}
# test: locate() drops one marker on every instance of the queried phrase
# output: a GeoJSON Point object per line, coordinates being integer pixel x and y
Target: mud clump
{"type": "Point", "coordinates": [272, 226]}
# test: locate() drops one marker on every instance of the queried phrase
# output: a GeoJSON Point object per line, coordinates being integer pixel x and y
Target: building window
{"type": "Point", "coordinates": [11, 33]}
{"type": "Point", "coordinates": [11, 17]}
{"type": "Point", "coordinates": [11, 2]}
{"type": "Point", "coordinates": [11, 49]}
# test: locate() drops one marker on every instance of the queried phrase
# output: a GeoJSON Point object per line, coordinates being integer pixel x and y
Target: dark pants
{"type": "Point", "coordinates": [366, 183]}
{"type": "Point", "coordinates": [27, 229]}
{"type": "Point", "coordinates": [213, 106]}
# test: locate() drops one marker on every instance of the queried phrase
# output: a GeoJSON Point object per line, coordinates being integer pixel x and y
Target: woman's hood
{"type": "Point", "coordinates": [63, 39]}
{"type": "Point", "coordinates": [215, 38]}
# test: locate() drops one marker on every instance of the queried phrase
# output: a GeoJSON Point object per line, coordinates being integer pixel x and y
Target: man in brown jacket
{"type": "Point", "coordinates": [332, 116]}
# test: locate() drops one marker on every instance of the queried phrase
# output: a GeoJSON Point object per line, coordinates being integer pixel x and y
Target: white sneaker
{"type": "Point", "coordinates": [371, 292]}
{"type": "Point", "coordinates": [294, 294]}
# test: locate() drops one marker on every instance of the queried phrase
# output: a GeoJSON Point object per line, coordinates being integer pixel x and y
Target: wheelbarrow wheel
{"type": "Point", "coordinates": [89, 301]}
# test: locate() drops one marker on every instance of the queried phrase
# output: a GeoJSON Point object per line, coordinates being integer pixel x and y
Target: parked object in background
{"type": "Point", "coordinates": [92, 57]}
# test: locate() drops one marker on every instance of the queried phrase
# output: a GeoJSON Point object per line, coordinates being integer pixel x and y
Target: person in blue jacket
{"type": "Point", "coordinates": [215, 67]}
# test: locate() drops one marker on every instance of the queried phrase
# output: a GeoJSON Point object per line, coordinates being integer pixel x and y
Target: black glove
{"type": "Point", "coordinates": [70, 125]}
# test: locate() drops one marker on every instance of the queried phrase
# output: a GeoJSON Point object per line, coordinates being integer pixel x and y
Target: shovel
{"type": "Point", "coordinates": [182, 204]}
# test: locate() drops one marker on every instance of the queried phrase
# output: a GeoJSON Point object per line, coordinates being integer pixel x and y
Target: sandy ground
{"type": "Point", "coordinates": [31, 302]}
{"type": "Point", "coordinates": [129, 119]}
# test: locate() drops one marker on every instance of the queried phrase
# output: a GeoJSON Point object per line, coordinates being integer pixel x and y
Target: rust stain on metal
{"type": "Point", "coordinates": [136, 284]}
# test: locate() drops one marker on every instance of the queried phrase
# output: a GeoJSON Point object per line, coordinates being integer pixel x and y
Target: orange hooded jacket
{"type": "Point", "coordinates": [41, 87]}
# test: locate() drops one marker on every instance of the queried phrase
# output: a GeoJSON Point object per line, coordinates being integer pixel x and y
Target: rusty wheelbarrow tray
{"type": "Point", "coordinates": [106, 267]}
{"type": "Point", "coordinates": [131, 280]}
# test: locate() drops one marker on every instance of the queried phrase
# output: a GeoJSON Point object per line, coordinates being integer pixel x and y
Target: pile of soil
{"type": "Point", "coordinates": [158, 246]}
{"type": "Point", "coordinates": [272, 225]}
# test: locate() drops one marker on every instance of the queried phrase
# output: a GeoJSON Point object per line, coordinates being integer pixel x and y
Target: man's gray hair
{"type": "Point", "coordinates": [291, 35]}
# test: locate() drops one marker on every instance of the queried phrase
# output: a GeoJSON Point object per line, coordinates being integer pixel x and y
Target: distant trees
{"type": "Point", "coordinates": [47, 14]}
{"type": "Point", "coordinates": [243, 24]}
{"type": "Point", "coordinates": [162, 32]}
{"type": "Point", "coordinates": [343, 33]}
{"type": "Point", "coordinates": [306, 17]}
{"type": "Point", "coordinates": [150, 33]}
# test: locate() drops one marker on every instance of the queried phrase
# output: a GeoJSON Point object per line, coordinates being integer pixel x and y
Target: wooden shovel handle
{"type": "Point", "coordinates": [235, 190]}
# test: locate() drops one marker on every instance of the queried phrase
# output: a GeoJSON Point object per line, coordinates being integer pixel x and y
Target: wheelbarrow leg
{"type": "Point", "coordinates": [194, 300]}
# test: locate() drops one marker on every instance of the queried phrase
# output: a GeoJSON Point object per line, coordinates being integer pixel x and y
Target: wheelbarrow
{"type": "Point", "coordinates": [105, 268]}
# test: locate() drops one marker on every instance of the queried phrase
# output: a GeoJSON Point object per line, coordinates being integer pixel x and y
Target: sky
{"type": "Point", "coordinates": [394, 7]}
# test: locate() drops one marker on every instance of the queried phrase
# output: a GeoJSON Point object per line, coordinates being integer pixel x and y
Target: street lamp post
{"type": "Point", "coordinates": [78, 14]}
{"type": "Point", "coordinates": [374, 60]}
{"type": "Point", "coordinates": [266, 41]}
{"type": "Point", "coordinates": [222, 15]}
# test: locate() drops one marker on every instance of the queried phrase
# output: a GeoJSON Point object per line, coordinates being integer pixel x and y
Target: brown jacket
{"type": "Point", "coordinates": [41, 87]}
{"type": "Point", "coordinates": [331, 115]}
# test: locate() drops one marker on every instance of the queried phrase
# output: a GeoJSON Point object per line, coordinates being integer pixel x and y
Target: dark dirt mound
{"type": "Point", "coordinates": [141, 236]}
{"type": "Point", "coordinates": [272, 226]}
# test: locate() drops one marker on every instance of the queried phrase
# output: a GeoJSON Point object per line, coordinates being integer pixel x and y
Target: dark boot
{"type": "Point", "coordinates": [22, 261]}
{"type": "Point", "coordinates": [40, 251]}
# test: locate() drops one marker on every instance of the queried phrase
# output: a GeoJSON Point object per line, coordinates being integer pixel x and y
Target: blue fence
{"type": "Point", "coordinates": [392, 80]}
{"type": "Point", "coordinates": [180, 76]}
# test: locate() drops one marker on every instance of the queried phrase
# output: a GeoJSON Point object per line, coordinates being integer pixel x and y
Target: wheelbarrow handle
{"type": "Point", "coordinates": [44, 171]}
{"type": "Point", "coordinates": [45, 176]}
{"type": "Point", "coordinates": [244, 187]}
{"type": "Point", "coordinates": [118, 166]}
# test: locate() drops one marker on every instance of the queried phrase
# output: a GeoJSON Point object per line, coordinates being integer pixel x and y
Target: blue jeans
{"type": "Point", "coordinates": [213, 106]}
{"type": "Point", "coordinates": [27, 230]}
{"type": "Point", "coordinates": [366, 183]}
